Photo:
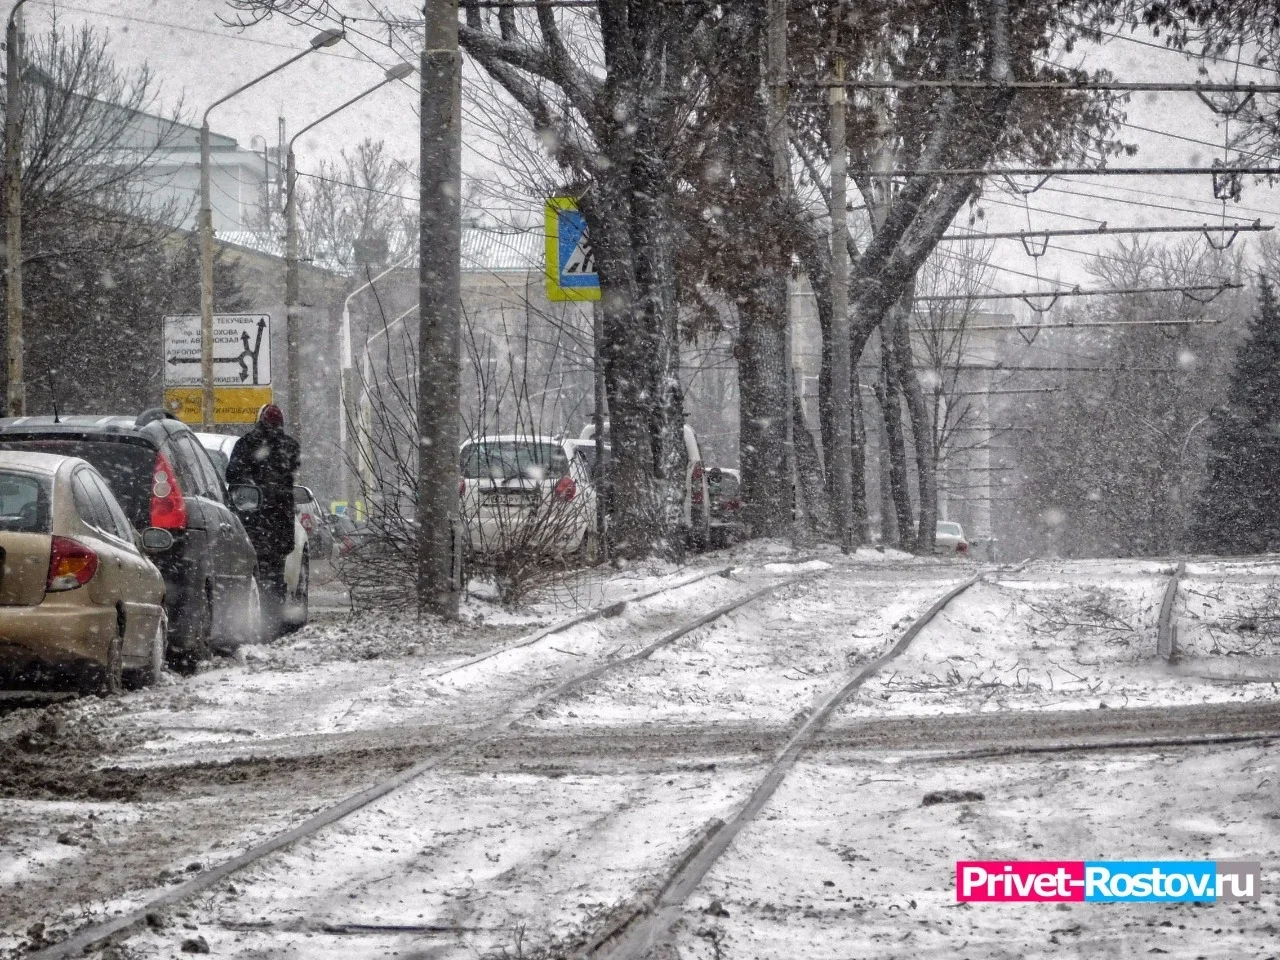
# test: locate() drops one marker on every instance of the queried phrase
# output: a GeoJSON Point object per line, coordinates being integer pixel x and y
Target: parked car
{"type": "Point", "coordinates": [521, 492]}
{"type": "Point", "coordinates": [315, 521]}
{"type": "Point", "coordinates": [78, 598]}
{"type": "Point", "coordinates": [724, 492]}
{"type": "Point", "coordinates": [949, 539]}
{"type": "Point", "coordinates": [694, 512]}
{"type": "Point", "coordinates": [163, 478]}
{"type": "Point", "coordinates": [297, 566]}
{"type": "Point", "coordinates": [348, 535]}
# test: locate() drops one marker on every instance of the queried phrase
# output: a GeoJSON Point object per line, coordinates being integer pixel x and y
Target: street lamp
{"type": "Point", "coordinates": [346, 386]}
{"type": "Point", "coordinates": [366, 395]}
{"type": "Point", "coordinates": [17, 389]}
{"type": "Point", "coordinates": [325, 38]}
{"type": "Point", "coordinates": [292, 309]}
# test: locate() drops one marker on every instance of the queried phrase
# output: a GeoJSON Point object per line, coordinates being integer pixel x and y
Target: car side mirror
{"type": "Point", "coordinates": [156, 540]}
{"type": "Point", "coordinates": [245, 497]}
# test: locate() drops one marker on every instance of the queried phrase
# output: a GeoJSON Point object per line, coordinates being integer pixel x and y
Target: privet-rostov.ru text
{"type": "Point", "coordinates": [1127, 881]}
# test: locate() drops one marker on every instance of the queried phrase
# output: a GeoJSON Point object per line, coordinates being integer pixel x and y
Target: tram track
{"type": "Point", "coordinates": [677, 868]}
{"type": "Point", "coordinates": [621, 656]}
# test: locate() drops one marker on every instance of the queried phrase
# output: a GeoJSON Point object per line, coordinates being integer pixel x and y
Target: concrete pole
{"type": "Point", "coordinates": [292, 308]}
{"type": "Point", "coordinates": [17, 388]}
{"type": "Point", "coordinates": [206, 283]}
{"type": "Point", "coordinates": [780, 148]}
{"type": "Point", "coordinates": [440, 292]}
{"type": "Point", "coordinates": [841, 362]}
{"type": "Point", "coordinates": [346, 435]}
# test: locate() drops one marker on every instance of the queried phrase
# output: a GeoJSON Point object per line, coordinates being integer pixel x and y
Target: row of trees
{"type": "Point", "coordinates": [662, 118]}
{"type": "Point", "coordinates": [102, 262]}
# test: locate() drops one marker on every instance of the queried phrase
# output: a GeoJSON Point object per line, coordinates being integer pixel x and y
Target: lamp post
{"type": "Point", "coordinates": [17, 390]}
{"type": "Point", "coordinates": [366, 395]}
{"type": "Point", "coordinates": [326, 38]}
{"type": "Point", "coordinates": [346, 385]}
{"type": "Point", "coordinates": [292, 308]}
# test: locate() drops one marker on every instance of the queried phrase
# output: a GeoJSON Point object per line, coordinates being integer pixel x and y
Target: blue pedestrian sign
{"type": "Point", "coordinates": [571, 264]}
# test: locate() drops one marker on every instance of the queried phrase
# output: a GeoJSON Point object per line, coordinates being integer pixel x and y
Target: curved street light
{"type": "Point", "coordinates": [325, 38]}
{"type": "Point", "coordinates": [292, 321]}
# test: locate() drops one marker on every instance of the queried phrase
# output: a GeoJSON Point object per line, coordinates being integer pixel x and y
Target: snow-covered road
{"type": "Point", "coordinates": [536, 830]}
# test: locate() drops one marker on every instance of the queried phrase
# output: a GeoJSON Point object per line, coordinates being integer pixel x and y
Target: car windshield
{"type": "Point", "coordinates": [950, 529]}
{"type": "Point", "coordinates": [513, 460]}
{"type": "Point", "coordinates": [125, 466]}
{"type": "Point", "coordinates": [24, 503]}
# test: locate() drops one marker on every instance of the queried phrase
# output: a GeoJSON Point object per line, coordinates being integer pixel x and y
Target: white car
{"type": "Point", "coordinates": [297, 566]}
{"type": "Point", "coordinates": [528, 493]}
{"type": "Point", "coordinates": [949, 539]}
{"type": "Point", "coordinates": [695, 510]}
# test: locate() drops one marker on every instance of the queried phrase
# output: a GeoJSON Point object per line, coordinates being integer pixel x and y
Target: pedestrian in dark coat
{"type": "Point", "coordinates": [267, 458]}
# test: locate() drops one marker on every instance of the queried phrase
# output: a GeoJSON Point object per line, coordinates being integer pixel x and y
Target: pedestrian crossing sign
{"type": "Point", "coordinates": [571, 264]}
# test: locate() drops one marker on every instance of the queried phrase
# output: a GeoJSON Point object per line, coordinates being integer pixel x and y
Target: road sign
{"type": "Point", "coordinates": [571, 265]}
{"type": "Point", "coordinates": [241, 350]}
{"type": "Point", "coordinates": [230, 404]}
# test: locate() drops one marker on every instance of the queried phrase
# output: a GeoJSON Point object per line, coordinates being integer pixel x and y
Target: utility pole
{"type": "Point", "coordinates": [780, 148]}
{"type": "Point", "coordinates": [17, 389]}
{"type": "Point", "coordinates": [439, 257]}
{"type": "Point", "coordinates": [841, 361]}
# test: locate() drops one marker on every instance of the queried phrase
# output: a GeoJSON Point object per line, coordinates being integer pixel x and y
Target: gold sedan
{"type": "Point", "coordinates": [78, 597]}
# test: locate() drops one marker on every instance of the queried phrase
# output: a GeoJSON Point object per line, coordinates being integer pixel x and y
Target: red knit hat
{"type": "Point", "coordinates": [271, 415]}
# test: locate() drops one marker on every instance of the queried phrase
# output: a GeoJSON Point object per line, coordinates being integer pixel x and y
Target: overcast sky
{"type": "Point", "coordinates": [198, 58]}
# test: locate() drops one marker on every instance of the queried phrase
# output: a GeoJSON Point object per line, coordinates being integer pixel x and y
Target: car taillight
{"type": "Point", "coordinates": [71, 564]}
{"type": "Point", "coordinates": [566, 489]}
{"type": "Point", "coordinates": [697, 483]}
{"type": "Point", "coordinates": [962, 548]}
{"type": "Point", "coordinates": [307, 522]}
{"type": "Point", "coordinates": [462, 488]}
{"type": "Point", "coordinates": [168, 507]}
{"type": "Point", "coordinates": [731, 505]}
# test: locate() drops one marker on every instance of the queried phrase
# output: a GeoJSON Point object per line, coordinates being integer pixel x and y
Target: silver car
{"type": "Point", "coordinates": [949, 539]}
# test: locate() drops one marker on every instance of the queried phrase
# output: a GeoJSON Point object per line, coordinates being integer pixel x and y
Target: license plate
{"type": "Point", "coordinates": [507, 500]}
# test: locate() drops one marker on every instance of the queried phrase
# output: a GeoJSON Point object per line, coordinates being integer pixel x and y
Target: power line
{"type": "Point", "coordinates": [169, 25]}
{"type": "Point", "coordinates": [1048, 172]}
{"type": "Point", "coordinates": [1055, 295]}
{"type": "Point", "coordinates": [1117, 86]}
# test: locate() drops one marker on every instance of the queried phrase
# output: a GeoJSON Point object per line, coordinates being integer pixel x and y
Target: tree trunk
{"type": "Point", "coordinates": [762, 385]}
{"type": "Point", "coordinates": [809, 468]}
{"type": "Point", "coordinates": [888, 392]}
{"type": "Point", "coordinates": [627, 371]}
{"type": "Point", "coordinates": [654, 242]}
{"type": "Point", "coordinates": [921, 422]}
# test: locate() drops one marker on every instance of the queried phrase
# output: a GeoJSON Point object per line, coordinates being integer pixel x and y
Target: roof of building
{"type": "Point", "coordinates": [483, 250]}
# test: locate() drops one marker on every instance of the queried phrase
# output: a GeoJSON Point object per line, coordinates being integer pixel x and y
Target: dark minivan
{"type": "Point", "coordinates": [162, 477]}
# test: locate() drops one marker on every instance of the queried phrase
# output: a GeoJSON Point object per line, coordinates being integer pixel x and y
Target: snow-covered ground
{"type": "Point", "coordinates": [532, 830]}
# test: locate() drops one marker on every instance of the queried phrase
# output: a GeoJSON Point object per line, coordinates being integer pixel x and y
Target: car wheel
{"type": "Point", "coordinates": [112, 683]}
{"type": "Point", "coordinates": [255, 625]}
{"type": "Point", "coordinates": [300, 602]}
{"type": "Point", "coordinates": [194, 645]}
{"type": "Point", "coordinates": [145, 676]}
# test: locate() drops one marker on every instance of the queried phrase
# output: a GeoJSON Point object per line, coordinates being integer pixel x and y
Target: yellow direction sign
{"type": "Point", "coordinates": [230, 404]}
